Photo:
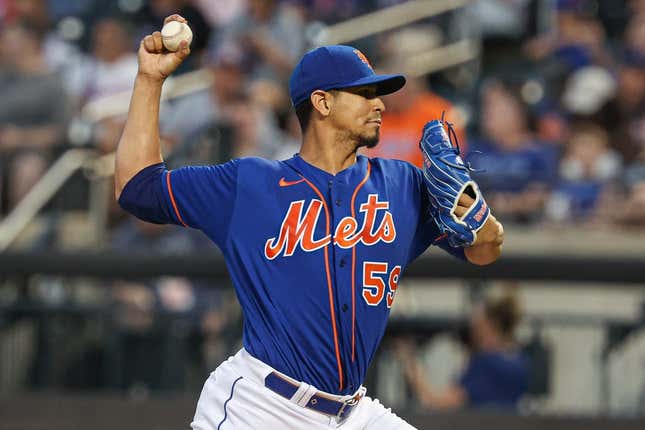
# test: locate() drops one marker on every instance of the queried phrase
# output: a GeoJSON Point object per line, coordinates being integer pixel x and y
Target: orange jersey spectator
{"type": "Point", "coordinates": [403, 121]}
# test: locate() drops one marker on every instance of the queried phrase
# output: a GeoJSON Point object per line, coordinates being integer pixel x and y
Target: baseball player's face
{"type": "Point", "coordinates": [357, 115]}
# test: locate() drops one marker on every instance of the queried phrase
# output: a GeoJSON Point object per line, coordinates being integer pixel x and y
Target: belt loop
{"type": "Point", "coordinates": [310, 391]}
{"type": "Point", "coordinates": [301, 391]}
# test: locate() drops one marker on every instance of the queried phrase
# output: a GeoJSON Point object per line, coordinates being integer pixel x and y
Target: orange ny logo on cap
{"type": "Point", "coordinates": [363, 58]}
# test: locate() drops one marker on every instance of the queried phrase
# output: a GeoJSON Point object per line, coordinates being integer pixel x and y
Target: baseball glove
{"type": "Point", "coordinates": [446, 178]}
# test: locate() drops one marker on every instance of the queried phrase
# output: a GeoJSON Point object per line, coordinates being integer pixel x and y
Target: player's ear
{"type": "Point", "coordinates": [321, 101]}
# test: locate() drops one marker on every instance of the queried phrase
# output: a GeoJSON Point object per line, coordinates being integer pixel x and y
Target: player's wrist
{"type": "Point", "coordinates": [483, 254]}
{"type": "Point", "coordinates": [150, 79]}
{"type": "Point", "coordinates": [492, 233]}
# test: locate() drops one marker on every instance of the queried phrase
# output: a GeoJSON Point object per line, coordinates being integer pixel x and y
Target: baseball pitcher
{"type": "Point", "coordinates": [315, 245]}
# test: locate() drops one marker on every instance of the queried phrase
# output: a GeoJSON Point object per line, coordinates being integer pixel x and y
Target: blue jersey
{"type": "Point", "coordinates": [315, 258]}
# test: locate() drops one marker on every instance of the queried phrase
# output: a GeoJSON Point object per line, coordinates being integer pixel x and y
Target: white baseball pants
{"type": "Point", "coordinates": [234, 397]}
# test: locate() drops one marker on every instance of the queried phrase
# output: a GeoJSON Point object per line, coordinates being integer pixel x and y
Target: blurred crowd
{"type": "Point", "coordinates": [564, 143]}
{"type": "Point", "coordinates": [551, 114]}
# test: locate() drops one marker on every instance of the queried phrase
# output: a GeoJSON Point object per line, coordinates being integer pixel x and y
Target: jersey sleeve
{"type": "Point", "coordinates": [427, 232]}
{"type": "Point", "coordinates": [201, 197]}
{"type": "Point", "coordinates": [143, 197]}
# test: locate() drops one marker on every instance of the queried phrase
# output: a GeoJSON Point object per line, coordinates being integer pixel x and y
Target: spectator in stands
{"type": "Point", "coordinates": [627, 136]}
{"type": "Point", "coordinates": [271, 36]}
{"type": "Point", "coordinates": [578, 39]}
{"type": "Point", "coordinates": [272, 98]}
{"type": "Point", "coordinates": [220, 13]}
{"type": "Point", "coordinates": [588, 166]}
{"type": "Point", "coordinates": [255, 132]}
{"type": "Point", "coordinates": [112, 67]}
{"type": "Point", "coordinates": [60, 55]}
{"type": "Point", "coordinates": [497, 372]}
{"type": "Point", "coordinates": [407, 112]}
{"type": "Point", "coordinates": [222, 122]}
{"type": "Point", "coordinates": [34, 109]}
{"type": "Point", "coordinates": [184, 117]}
{"type": "Point", "coordinates": [517, 168]}
{"type": "Point", "coordinates": [109, 70]}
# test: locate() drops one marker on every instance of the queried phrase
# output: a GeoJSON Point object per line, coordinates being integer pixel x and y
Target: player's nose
{"type": "Point", "coordinates": [378, 104]}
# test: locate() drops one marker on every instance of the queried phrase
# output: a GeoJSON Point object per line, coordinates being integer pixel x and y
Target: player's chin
{"type": "Point", "coordinates": [370, 139]}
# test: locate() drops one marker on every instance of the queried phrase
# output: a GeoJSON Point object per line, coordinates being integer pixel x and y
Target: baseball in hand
{"type": "Point", "coordinates": [173, 33]}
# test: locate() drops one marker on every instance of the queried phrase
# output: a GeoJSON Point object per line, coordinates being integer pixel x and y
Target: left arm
{"type": "Point", "coordinates": [488, 246]}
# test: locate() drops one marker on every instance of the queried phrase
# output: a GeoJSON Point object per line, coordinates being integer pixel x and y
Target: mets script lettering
{"type": "Point", "coordinates": [297, 229]}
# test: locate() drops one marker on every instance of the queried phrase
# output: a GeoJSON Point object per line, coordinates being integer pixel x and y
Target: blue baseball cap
{"type": "Point", "coordinates": [337, 67]}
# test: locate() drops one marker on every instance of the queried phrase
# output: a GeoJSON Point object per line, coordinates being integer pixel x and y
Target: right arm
{"type": "Point", "coordinates": [139, 147]}
{"type": "Point", "coordinates": [201, 197]}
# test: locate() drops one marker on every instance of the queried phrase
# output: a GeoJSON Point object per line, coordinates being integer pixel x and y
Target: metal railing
{"type": "Point", "coordinates": [97, 167]}
{"type": "Point", "coordinates": [25, 211]}
{"type": "Point", "coordinates": [386, 19]}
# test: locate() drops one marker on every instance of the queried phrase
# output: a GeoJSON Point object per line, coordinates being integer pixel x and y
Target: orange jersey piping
{"type": "Point", "coordinates": [172, 200]}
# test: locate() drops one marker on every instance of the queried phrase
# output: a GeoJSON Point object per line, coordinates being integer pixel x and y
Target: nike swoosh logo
{"type": "Point", "coordinates": [284, 183]}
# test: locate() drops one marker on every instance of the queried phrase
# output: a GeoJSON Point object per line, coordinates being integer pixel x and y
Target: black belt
{"type": "Point", "coordinates": [319, 402]}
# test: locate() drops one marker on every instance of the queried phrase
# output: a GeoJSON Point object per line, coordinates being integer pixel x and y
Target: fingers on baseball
{"type": "Point", "coordinates": [183, 50]}
{"type": "Point", "coordinates": [158, 43]}
{"type": "Point", "coordinates": [149, 43]}
{"type": "Point", "coordinates": [175, 17]}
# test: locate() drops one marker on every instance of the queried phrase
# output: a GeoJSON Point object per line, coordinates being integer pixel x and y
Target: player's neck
{"type": "Point", "coordinates": [323, 150]}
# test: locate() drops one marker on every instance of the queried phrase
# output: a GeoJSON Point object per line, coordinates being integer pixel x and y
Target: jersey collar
{"type": "Point", "coordinates": [347, 176]}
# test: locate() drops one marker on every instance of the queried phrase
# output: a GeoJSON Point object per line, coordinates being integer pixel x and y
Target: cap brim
{"type": "Point", "coordinates": [385, 84]}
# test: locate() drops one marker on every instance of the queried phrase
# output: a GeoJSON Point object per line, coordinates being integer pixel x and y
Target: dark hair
{"type": "Point", "coordinates": [504, 312]}
{"type": "Point", "coordinates": [303, 112]}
